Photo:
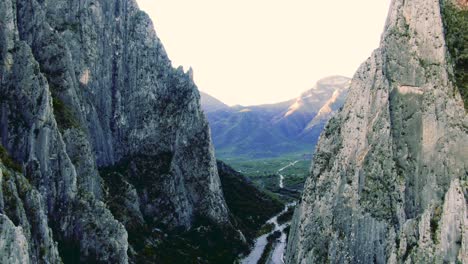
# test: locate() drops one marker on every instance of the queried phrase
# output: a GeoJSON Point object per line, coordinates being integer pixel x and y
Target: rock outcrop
{"type": "Point", "coordinates": [25, 236]}
{"type": "Point", "coordinates": [87, 85]}
{"type": "Point", "coordinates": [389, 182]}
{"type": "Point", "coordinates": [14, 245]}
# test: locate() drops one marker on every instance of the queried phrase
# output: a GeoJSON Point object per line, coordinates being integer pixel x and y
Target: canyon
{"type": "Point", "coordinates": [109, 154]}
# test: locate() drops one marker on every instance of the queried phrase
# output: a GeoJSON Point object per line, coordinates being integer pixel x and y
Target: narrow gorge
{"type": "Point", "coordinates": [110, 154]}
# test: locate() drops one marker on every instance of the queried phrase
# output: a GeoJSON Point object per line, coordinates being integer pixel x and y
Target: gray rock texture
{"type": "Point", "coordinates": [13, 243]}
{"type": "Point", "coordinates": [84, 85]}
{"type": "Point", "coordinates": [388, 182]}
{"type": "Point", "coordinates": [25, 234]}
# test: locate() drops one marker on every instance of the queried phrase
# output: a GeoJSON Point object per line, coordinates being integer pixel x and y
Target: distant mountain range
{"type": "Point", "coordinates": [272, 130]}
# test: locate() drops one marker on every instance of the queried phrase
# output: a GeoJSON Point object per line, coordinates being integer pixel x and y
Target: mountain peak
{"type": "Point", "coordinates": [275, 129]}
{"type": "Point", "coordinates": [321, 92]}
{"type": "Point", "coordinates": [210, 103]}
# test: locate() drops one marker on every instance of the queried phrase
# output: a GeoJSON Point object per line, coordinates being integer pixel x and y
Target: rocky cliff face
{"type": "Point", "coordinates": [389, 182]}
{"type": "Point", "coordinates": [87, 85]}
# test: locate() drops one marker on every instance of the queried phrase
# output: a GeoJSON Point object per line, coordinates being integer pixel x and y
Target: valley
{"type": "Point", "coordinates": [274, 130]}
{"type": "Point", "coordinates": [273, 144]}
{"type": "Point", "coordinates": [280, 171]}
{"type": "Point", "coordinates": [266, 174]}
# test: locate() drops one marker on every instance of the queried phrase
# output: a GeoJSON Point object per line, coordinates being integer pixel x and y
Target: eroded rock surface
{"type": "Point", "coordinates": [388, 182]}
{"type": "Point", "coordinates": [87, 85]}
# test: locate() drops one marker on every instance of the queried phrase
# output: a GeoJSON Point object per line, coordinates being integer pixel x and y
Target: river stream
{"type": "Point", "coordinates": [279, 246]}
{"type": "Point", "coordinates": [281, 184]}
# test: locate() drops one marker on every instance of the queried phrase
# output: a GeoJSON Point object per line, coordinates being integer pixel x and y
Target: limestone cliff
{"type": "Point", "coordinates": [86, 85]}
{"type": "Point", "coordinates": [388, 182]}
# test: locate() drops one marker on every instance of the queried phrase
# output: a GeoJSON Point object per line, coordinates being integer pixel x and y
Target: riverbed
{"type": "Point", "coordinates": [279, 246]}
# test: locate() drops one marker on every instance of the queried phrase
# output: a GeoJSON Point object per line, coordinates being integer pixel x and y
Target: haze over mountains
{"type": "Point", "coordinates": [272, 130]}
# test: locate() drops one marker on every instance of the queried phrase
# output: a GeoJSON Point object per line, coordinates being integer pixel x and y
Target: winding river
{"type": "Point", "coordinates": [281, 184]}
{"type": "Point", "coordinates": [261, 242]}
{"type": "Point", "coordinates": [279, 247]}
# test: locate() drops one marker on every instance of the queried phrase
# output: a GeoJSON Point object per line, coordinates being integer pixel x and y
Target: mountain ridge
{"type": "Point", "coordinates": [272, 130]}
{"type": "Point", "coordinates": [210, 103]}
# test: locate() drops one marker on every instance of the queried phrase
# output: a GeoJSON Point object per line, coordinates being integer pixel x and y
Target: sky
{"type": "Point", "coordinates": [253, 52]}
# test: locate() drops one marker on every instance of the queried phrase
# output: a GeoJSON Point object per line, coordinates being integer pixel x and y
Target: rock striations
{"type": "Point", "coordinates": [388, 182]}
{"type": "Point", "coordinates": [87, 85]}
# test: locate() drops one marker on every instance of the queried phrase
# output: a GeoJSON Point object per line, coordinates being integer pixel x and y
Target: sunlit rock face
{"type": "Point", "coordinates": [87, 85]}
{"type": "Point", "coordinates": [388, 182]}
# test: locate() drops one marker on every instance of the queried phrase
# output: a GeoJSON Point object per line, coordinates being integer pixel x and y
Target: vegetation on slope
{"type": "Point", "coordinates": [63, 115]}
{"type": "Point", "coordinates": [8, 161]}
{"type": "Point", "coordinates": [250, 207]}
{"type": "Point", "coordinates": [271, 239]}
{"type": "Point", "coordinates": [286, 216]}
{"type": "Point", "coordinates": [205, 241]}
{"type": "Point", "coordinates": [151, 240]}
{"type": "Point", "coordinates": [455, 20]}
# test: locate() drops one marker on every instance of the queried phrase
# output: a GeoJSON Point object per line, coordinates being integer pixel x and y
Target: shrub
{"type": "Point", "coordinates": [63, 115]}
{"type": "Point", "coordinates": [8, 161]}
{"type": "Point", "coordinates": [456, 35]}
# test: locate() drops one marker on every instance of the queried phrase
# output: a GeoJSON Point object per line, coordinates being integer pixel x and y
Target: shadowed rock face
{"type": "Point", "coordinates": [388, 182]}
{"type": "Point", "coordinates": [87, 84]}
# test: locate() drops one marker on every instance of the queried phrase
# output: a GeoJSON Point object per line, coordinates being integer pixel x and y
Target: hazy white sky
{"type": "Point", "coordinates": [265, 51]}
